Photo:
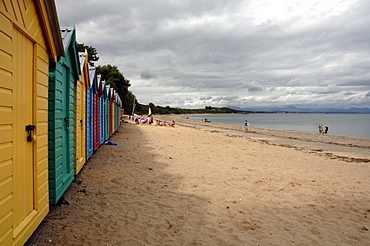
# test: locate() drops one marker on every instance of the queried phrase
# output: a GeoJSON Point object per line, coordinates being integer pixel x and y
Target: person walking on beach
{"type": "Point", "coordinates": [246, 124]}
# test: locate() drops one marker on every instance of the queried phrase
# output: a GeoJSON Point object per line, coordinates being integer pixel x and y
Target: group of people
{"type": "Point", "coordinates": [323, 129]}
{"type": "Point", "coordinates": [139, 120]}
{"type": "Point", "coordinates": [165, 123]}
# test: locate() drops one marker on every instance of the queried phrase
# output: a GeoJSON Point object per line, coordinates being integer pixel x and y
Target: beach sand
{"type": "Point", "coordinates": [198, 184]}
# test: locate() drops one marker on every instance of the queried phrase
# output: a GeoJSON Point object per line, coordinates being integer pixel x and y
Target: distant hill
{"type": "Point", "coordinates": [143, 110]}
{"type": "Point", "coordinates": [294, 109]}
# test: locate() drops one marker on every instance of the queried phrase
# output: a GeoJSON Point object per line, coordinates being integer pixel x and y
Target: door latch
{"type": "Point", "coordinates": [29, 130]}
{"type": "Point", "coordinates": [66, 120]}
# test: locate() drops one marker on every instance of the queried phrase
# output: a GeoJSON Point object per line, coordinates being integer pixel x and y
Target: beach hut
{"type": "Point", "coordinates": [118, 115]}
{"type": "Point", "coordinates": [63, 76]}
{"type": "Point", "coordinates": [111, 112]}
{"type": "Point", "coordinates": [121, 110]}
{"type": "Point", "coordinates": [29, 37]}
{"type": "Point", "coordinates": [106, 112]}
{"type": "Point", "coordinates": [90, 112]}
{"type": "Point", "coordinates": [96, 118]}
{"type": "Point", "coordinates": [80, 110]}
{"type": "Point", "coordinates": [116, 112]}
{"type": "Point", "coordinates": [102, 112]}
{"type": "Point", "coordinates": [119, 103]}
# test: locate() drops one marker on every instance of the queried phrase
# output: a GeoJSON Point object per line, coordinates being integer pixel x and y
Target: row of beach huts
{"type": "Point", "coordinates": [55, 111]}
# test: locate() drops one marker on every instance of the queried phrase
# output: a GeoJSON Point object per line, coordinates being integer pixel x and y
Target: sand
{"type": "Point", "coordinates": [198, 184]}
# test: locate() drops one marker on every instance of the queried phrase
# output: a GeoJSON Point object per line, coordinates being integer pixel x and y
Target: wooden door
{"type": "Point", "coordinates": [81, 124]}
{"type": "Point", "coordinates": [89, 123]}
{"type": "Point", "coordinates": [66, 121]}
{"type": "Point", "coordinates": [24, 118]}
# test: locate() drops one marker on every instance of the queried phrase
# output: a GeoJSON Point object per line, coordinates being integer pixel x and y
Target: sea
{"type": "Point", "coordinates": [352, 125]}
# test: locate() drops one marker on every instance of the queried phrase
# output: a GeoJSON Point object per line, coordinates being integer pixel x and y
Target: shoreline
{"type": "Point", "coordinates": [308, 130]}
{"type": "Point", "coordinates": [353, 149]}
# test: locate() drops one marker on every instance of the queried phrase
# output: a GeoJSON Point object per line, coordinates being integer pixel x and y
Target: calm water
{"type": "Point", "coordinates": [353, 125]}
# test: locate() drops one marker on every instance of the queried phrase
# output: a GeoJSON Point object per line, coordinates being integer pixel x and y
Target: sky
{"type": "Point", "coordinates": [197, 53]}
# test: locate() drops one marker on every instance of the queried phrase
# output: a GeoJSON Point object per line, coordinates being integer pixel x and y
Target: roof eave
{"type": "Point", "coordinates": [57, 45]}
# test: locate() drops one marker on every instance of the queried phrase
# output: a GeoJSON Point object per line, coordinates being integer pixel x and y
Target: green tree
{"type": "Point", "coordinates": [115, 79]}
{"type": "Point", "coordinates": [91, 51]}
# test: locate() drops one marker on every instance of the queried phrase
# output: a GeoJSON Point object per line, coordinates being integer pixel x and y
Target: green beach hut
{"type": "Point", "coordinates": [63, 76]}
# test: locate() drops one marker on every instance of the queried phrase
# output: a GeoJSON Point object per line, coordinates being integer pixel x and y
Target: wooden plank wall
{"type": "Point", "coordinates": [24, 61]}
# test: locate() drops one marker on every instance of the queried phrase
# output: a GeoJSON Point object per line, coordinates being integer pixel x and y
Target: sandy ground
{"type": "Point", "coordinates": [216, 185]}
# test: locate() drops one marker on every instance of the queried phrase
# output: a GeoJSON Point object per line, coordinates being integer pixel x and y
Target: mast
{"type": "Point", "coordinates": [133, 107]}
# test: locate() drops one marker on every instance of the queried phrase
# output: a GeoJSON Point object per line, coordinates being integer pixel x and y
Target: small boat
{"type": "Point", "coordinates": [205, 120]}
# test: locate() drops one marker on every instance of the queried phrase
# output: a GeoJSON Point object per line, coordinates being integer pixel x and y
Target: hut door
{"type": "Point", "coordinates": [23, 130]}
{"type": "Point", "coordinates": [89, 127]}
{"type": "Point", "coordinates": [82, 123]}
{"type": "Point", "coordinates": [66, 121]}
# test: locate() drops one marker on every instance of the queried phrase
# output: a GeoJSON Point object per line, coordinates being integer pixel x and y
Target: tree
{"type": "Point", "coordinates": [115, 79]}
{"type": "Point", "coordinates": [91, 52]}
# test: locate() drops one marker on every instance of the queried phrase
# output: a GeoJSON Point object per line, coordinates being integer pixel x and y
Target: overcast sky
{"type": "Point", "coordinates": [197, 53]}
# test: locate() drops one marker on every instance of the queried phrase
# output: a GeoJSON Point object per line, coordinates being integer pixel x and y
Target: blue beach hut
{"type": "Point", "coordinates": [111, 112]}
{"type": "Point", "coordinates": [90, 113]}
{"type": "Point", "coordinates": [102, 112]}
{"type": "Point", "coordinates": [96, 118]}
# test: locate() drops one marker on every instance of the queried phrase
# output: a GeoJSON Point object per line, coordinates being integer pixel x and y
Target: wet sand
{"type": "Point", "coordinates": [212, 184]}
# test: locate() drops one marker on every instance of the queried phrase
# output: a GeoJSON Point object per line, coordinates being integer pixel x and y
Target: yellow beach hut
{"type": "Point", "coordinates": [80, 139]}
{"type": "Point", "coordinates": [29, 37]}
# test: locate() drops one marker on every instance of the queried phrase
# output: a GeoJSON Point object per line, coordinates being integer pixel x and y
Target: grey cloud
{"type": "Point", "coordinates": [330, 89]}
{"type": "Point", "coordinates": [251, 86]}
{"type": "Point", "coordinates": [349, 93]}
{"type": "Point", "coordinates": [224, 98]}
{"type": "Point", "coordinates": [148, 75]}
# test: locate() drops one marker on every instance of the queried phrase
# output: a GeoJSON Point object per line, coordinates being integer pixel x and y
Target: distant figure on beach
{"type": "Point", "coordinates": [246, 124]}
{"type": "Point", "coordinates": [159, 123]}
{"type": "Point", "coordinates": [321, 128]}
